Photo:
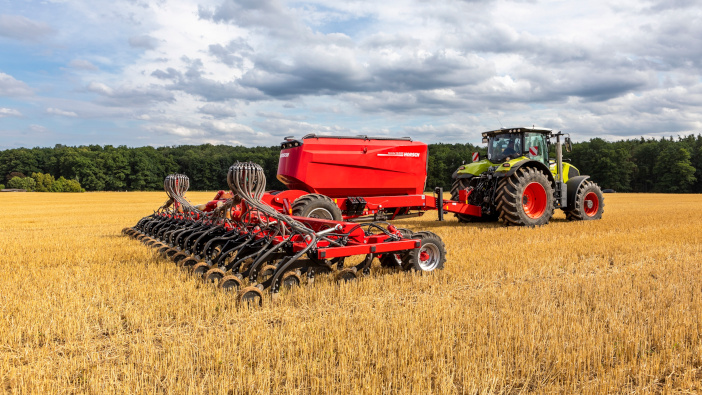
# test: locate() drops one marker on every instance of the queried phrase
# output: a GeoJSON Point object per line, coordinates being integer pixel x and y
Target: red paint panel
{"type": "Point", "coordinates": [355, 167]}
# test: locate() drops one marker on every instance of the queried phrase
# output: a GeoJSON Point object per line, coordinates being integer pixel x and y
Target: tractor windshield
{"type": "Point", "coordinates": [503, 146]}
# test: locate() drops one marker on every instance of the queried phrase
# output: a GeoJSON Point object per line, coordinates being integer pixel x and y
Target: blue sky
{"type": "Point", "coordinates": [251, 72]}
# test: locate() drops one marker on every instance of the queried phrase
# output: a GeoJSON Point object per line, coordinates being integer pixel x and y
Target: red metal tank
{"type": "Point", "coordinates": [340, 166]}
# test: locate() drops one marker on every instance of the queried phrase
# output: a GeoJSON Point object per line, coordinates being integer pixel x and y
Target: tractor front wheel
{"type": "Point", "coordinates": [314, 205]}
{"type": "Point", "coordinates": [525, 198]}
{"type": "Point", "coordinates": [588, 204]}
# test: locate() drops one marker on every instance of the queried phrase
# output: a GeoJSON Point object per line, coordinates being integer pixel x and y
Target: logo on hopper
{"type": "Point", "coordinates": [402, 154]}
{"type": "Point", "coordinates": [284, 154]}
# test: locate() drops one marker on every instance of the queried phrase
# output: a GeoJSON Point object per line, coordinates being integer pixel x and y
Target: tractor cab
{"type": "Point", "coordinates": [505, 145]}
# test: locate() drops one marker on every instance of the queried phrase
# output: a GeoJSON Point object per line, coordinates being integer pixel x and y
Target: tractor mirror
{"type": "Point", "coordinates": [568, 145]}
{"type": "Point", "coordinates": [485, 140]}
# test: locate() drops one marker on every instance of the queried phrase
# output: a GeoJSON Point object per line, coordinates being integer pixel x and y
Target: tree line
{"type": "Point", "coordinates": [638, 165]}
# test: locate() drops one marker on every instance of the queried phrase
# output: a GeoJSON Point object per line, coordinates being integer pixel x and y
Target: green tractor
{"type": "Point", "coordinates": [521, 185]}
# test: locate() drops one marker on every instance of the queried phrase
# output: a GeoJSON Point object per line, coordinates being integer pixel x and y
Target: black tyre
{"type": "Point", "coordinates": [179, 257]}
{"type": "Point", "coordinates": [589, 203]}
{"type": "Point", "coordinates": [525, 198]}
{"type": "Point", "coordinates": [188, 263]}
{"type": "Point", "coordinates": [430, 256]}
{"type": "Point", "coordinates": [314, 205]}
{"type": "Point", "coordinates": [290, 280]}
{"type": "Point", "coordinates": [346, 275]}
{"type": "Point", "coordinates": [390, 260]}
{"type": "Point", "coordinates": [230, 283]}
{"type": "Point", "coordinates": [250, 296]}
{"type": "Point", "coordinates": [214, 275]}
{"type": "Point", "coordinates": [200, 269]}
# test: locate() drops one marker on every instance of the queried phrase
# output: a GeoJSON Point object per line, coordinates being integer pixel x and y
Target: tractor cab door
{"type": "Point", "coordinates": [535, 147]}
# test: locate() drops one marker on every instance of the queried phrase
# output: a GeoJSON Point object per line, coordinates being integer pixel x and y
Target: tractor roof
{"type": "Point", "coordinates": [532, 129]}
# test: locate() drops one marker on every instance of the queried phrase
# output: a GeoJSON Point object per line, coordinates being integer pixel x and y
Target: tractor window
{"type": "Point", "coordinates": [503, 146]}
{"type": "Point", "coordinates": [536, 143]}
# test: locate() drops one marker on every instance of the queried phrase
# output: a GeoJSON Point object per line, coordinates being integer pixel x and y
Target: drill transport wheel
{"type": "Point", "coordinates": [430, 256]}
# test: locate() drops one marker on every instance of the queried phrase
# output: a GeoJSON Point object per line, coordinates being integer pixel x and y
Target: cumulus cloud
{"type": "Point", "coordinates": [233, 54]}
{"type": "Point", "coordinates": [21, 28]}
{"type": "Point", "coordinates": [130, 96]}
{"type": "Point", "coordinates": [9, 112]}
{"type": "Point", "coordinates": [83, 64]}
{"type": "Point", "coordinates": [9, 86]}
{"type": "Point", "coordinates": [218, 111]}
{"type": "Point", "coordinates": [63, 113]}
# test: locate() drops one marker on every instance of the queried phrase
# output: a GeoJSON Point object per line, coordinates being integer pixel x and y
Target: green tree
{"type": "Point", "coordinates": [606, 163]}
{"type": "Point", "coordinates": [64, 185]}
{"type": "Point", "coordinates": [26, 183]}
{"type": "Point", "coordinates": [644, 179]}
{"type": "Point", "coordinates": [673, 170]}
{"type": "Point", "coordinates": [115, 167]}
{"type": "Point", "coordinates": [44, 182]}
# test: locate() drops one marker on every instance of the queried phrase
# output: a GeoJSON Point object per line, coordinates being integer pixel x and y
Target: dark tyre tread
{"type": "Point", "coordinates": [303, 205]}
{"type": "Point", "coordinates": [214, 275]}
{"type": "Point", "coordinates": [509, 197]}
{"type": "Point", "coordinates": [578, 212]}
{"type": "Point", "coordinates": [411, 261]}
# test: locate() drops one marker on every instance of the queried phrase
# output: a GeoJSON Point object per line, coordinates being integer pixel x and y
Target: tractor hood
{"type": "Point", "coordinates": [478, 168]}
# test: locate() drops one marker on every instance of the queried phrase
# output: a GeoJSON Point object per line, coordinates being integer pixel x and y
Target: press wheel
{"type": "Point", "coordinates": [230, 283]}
{"type": "Point", "coordinates": [200, 269]}
{"type": "Point", "coordinates": [250, 296]}
{"type": "Point", "coordinates": [214, 275]}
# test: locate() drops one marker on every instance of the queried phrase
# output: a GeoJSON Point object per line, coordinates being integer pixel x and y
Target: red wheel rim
{"type": "Point", "coordinates": [534, 200]}
{"type": "Point", "coordinates": [592, 204]}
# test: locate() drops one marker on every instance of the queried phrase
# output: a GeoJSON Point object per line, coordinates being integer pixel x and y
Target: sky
{"type": "Point", "coordinates": [250, 72]}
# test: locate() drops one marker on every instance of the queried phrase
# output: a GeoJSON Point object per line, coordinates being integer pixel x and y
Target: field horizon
{"type": "Point", "coordinates": [605, 306]}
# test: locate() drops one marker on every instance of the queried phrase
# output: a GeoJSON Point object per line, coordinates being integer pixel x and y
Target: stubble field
{"type": "Point", "coordinates": [608, 306]}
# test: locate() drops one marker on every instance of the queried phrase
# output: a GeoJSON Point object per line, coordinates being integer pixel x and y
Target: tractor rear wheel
{"type": "Point", "coordinates": [314, 205]}
{"type": "Point", "coordinates": [430, 256]}
{"type": "Point", "coordinates": [589, 203]}
{"type": "Point", "coordinates": [525, 198]}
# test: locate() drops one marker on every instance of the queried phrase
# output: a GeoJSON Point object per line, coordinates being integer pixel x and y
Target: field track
{"type": "Point", "coordinates": [609, 306]}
